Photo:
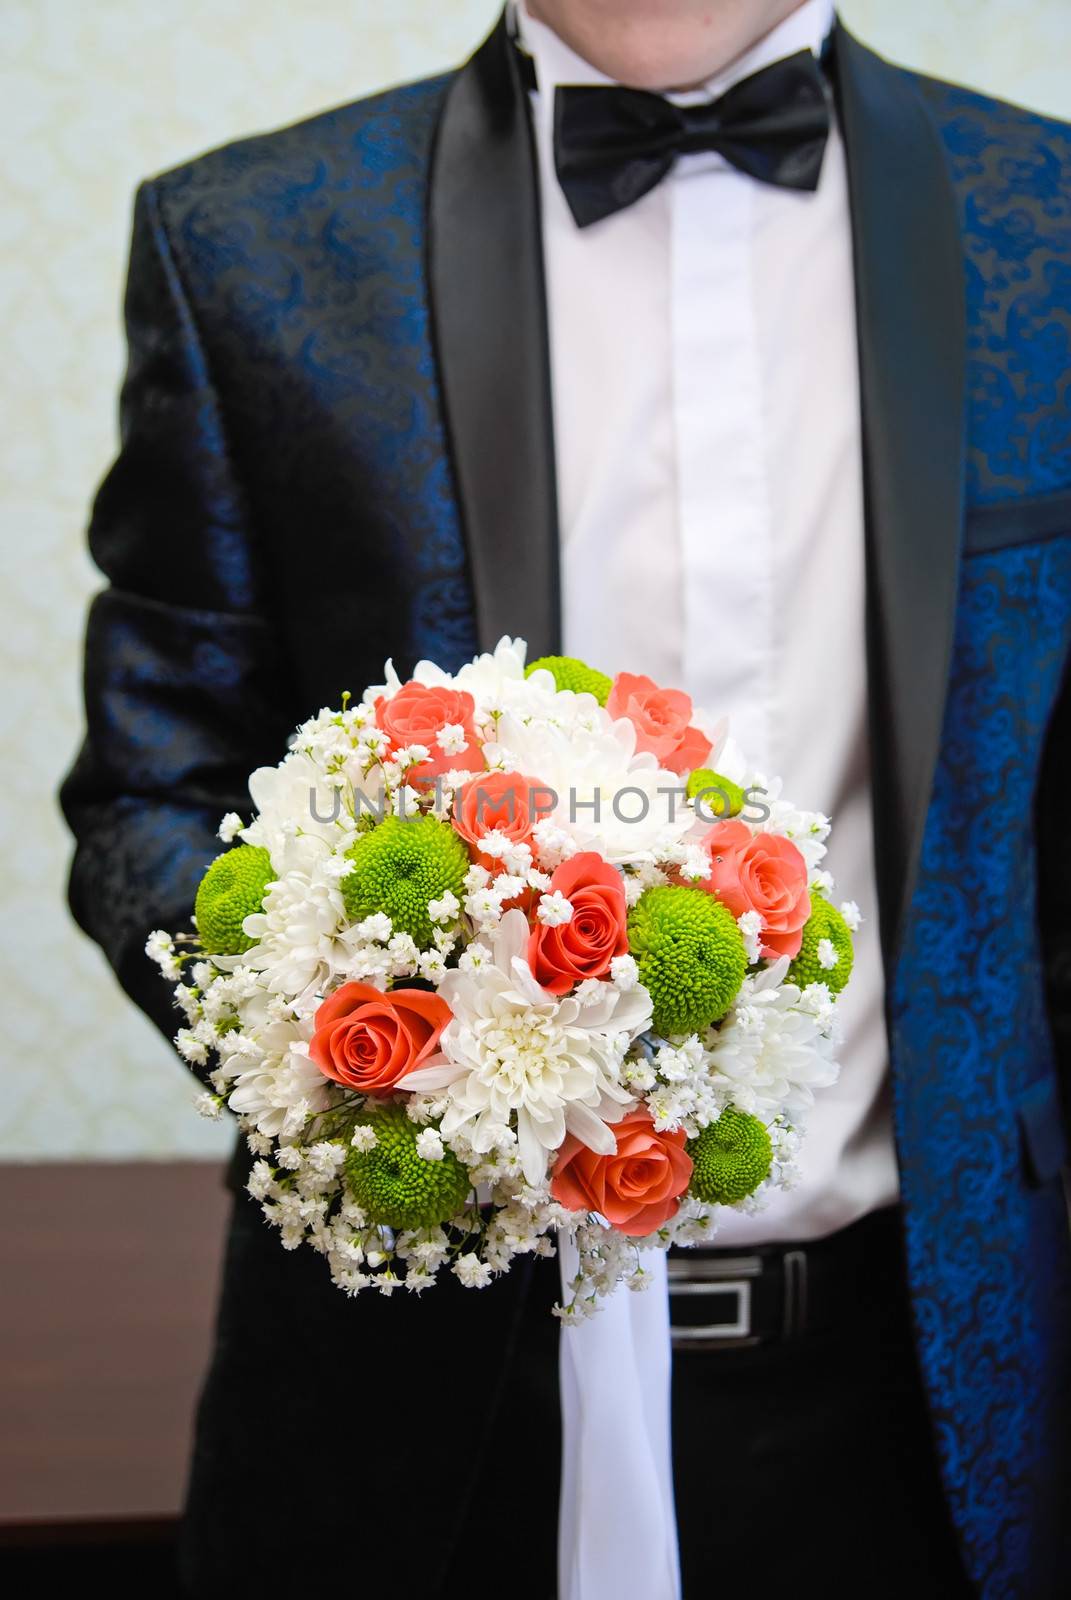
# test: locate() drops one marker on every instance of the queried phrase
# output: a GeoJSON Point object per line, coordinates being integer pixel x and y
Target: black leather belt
{"type": "Point", "coordinates": [731, 1299]}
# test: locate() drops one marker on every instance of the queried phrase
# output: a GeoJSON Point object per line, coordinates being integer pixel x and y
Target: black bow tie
{"type": "Point", "coordinates": [611, 145]}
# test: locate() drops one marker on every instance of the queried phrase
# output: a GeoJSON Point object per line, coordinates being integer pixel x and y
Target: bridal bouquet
{"type": "Point", "coordinates": [509, 953]}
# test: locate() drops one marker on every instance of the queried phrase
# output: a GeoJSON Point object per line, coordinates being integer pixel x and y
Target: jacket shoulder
{"type": "Point", "coordinates": [358, 143]}
{"type": "Point", "coordinates": [986, 139]}
{"type": "Point", "coordinates": [1010, 171]}
{"type": "Point", "coordinates": [951, 101]}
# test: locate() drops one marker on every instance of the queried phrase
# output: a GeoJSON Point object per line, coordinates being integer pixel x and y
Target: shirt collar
{"type": "Point", "coordinates": [555, 62]}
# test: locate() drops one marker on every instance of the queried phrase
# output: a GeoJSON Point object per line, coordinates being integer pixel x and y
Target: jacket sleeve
{"type": "Point", "coordinates": [185, 690]}
{"type": "Point", "coordinates": [1054, 884]}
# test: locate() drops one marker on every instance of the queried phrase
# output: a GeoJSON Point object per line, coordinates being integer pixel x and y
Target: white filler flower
{"type": "Point", "coordinates": [772, 1052]}
{"type": "Point", "coordinates": [277, 1091]}
{"type": "Point", "coordinates": [512, 1048]}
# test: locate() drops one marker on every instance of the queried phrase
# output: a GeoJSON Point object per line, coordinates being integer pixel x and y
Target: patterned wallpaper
{"type": "Point", "coordinates": [93, 97]}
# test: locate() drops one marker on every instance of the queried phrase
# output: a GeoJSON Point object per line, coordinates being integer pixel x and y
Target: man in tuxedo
{"type": "Point", "coordinates": [691, 337]}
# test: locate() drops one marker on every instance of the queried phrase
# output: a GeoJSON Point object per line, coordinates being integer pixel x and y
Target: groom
{"type": "Point", "coordinates": [753, 376]}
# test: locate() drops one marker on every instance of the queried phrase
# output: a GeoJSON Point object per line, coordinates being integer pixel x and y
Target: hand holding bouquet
{"type": "Point", "coordinates": [509, 952]}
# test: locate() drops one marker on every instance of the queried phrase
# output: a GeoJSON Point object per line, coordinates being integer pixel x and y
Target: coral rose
{"type": "Point", "coordinates": [417, 714]}
{"type": "Point", "coordinates": [638, 1188]}
{"type": "Point", "coordinates": [761, 872]}
{"type": "Point", "coordinates": [584, 946]}
{"type": "Point", "coordinates": [504, 801]}
{"type": "Point", "coordinates": [367, 1040]}
{"type": "Point", "coordinates": [662, 719]}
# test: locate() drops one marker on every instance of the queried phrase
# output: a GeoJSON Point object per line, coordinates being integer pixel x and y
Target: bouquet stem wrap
{"type": "Point", "coordinates": [617, 1532]}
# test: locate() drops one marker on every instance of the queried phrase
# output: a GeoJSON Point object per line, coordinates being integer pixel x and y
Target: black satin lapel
{"type": "Point", "coordinates": [911, 327]}
{"type": "Point", "coordinates": [489, 320]}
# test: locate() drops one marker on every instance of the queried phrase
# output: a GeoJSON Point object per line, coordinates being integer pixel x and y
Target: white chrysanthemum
{"type": "Point", "coordinates": [772, 1053]}
{"type": "Point", "coordinates": [493, 677]}
{"type": "Point", "coordinates": [498, 684]}
{"type": "Point", "coordinates": [277, 1094]}
{"type": "Point", "coordinates": [424, 672]}
{"type": "Point", "coordinates": [591, 770]}
{"type": "Point", "coordinates": [726, 756]}
{"type": "Point", "coordinates": [295, 932]}
{"type": "Point", "coordinates": [488, 678]}
{"type": "Point", "coordinates": [512, 1050]}
{"type": "Point", "coordinates": [298, 812]}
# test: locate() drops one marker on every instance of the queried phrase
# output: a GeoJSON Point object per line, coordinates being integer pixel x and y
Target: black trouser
{"type": "Point", "coordinates": [807, 1466]}
{"type": "Point", "coordinates": [352, 1445]}
{"type": "Point", "coordinates": [798, 1466]}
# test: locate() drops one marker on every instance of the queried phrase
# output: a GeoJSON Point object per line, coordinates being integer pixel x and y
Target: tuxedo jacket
{"type": "Point", "coordinates": [336, 446]}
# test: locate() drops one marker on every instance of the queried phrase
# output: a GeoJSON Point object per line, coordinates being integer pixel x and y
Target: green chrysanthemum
{"type": "Point", "coordinates": [690, 954]}
{"type": "Point", "coordinates": [731, 1158]}
{"type": "Point", "coordinates": [824, 922]}
{"type": "Point", "coordinates": [399, 867]}
{"type": "Point", "coordinates": [230, 890]}
{"type": "Point", "coordinates": [721, 797]}
{"type": "Point", "coordinates": [569, 672]}
{"type": "Point", "coordinates": [394, 1185]}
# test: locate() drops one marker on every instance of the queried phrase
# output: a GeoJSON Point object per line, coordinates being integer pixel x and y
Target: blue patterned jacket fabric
{"type": "Point", "coordinates": [283, 515]}
{"type": "Point", "coordinates": [974, 1054]}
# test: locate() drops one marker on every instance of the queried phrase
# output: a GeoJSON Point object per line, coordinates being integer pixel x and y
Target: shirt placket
{"type": "Point", "coordinates": [723, 502]}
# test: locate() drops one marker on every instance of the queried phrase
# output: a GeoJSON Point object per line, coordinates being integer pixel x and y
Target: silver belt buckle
{"type": "Point", "coordinates": [699, 1276]}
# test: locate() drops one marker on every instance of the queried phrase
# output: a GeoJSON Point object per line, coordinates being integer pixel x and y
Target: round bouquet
{"type": "Point", "coordinates": [507, 953]}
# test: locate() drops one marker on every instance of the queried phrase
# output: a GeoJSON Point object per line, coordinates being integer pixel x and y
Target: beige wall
{"type": "Point", "coordinates": [93, 96]}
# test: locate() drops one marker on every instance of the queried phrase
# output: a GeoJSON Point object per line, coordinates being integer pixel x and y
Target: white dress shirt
{"type": "Point", "coordinates": [706, 414]}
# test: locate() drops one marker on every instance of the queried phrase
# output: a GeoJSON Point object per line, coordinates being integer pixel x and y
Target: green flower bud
{"type": "Point", "coordinates": [399, 867]}
{"type": "Point", "coordinates": [231, 889]}
{"type": "Point", "coordinates": [570, 673]}
{"type": "Point", "coordinates": [690, 955]}
{"type": "Point", "coordinates": [393, 1184]}
{"type": "Point", "coordinates": [731, 1158]}
{"type": "Point", "coordinates": [824, 922]}
{"type": "Point", "coordinates": [719, 797]}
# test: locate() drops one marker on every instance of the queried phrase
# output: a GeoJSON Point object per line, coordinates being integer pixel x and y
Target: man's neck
{"type": "Point", "coordinates": [662, 44]}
